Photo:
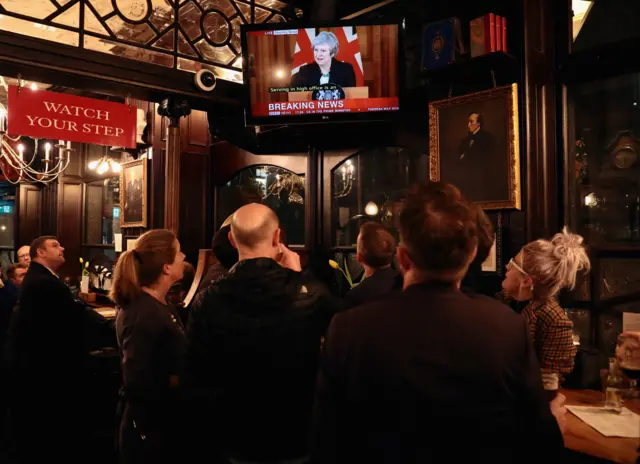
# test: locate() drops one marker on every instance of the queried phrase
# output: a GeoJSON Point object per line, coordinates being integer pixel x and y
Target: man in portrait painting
{"type": "Point", "coordinates": [477, 165]}
{"type": "Point", "coordinates": [133, 204]}
{"type": "Point", "coordinates": [477, 143]}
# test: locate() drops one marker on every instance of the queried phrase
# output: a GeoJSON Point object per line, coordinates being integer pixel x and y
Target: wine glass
{"type": "Point", "coordinates": [628, 356]}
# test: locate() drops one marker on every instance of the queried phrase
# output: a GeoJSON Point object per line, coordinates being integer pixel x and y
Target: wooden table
{"type": "Point", "coordinates": [106, 312]}
{"type": "Point", "coordinates": [582, 438]}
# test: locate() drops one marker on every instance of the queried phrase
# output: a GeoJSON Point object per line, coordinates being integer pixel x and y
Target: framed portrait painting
{"type": "Point", "coordinates": [133, 194]}
{"type": "Point", "coordinates": [474, 143]}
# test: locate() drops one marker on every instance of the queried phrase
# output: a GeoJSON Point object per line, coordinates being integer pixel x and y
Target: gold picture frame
{"type": "Point", "coordinates": [133, 194]}
{"type": "Point", "coordinates": [493, 125]}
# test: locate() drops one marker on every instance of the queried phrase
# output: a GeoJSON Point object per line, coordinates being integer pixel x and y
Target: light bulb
{"type": "Point", "coordinates": [34, 86]}
{"type": "Point", "coordinates": [93, 164]}
{"type": "Point", "coordinates": [103, 168]}
{"type": "Point", "coordinates": [115, 166]}
{"type": "Point", "coordinates": [371, 209]}
{"type": "Point", "coordinates": [3, 227]}
{"type": "Point", "coordinates": [591, 200]}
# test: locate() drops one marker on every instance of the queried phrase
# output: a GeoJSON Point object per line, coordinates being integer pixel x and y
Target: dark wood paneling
{"type": "Point", "coordinates": [50, 209]}
{"type": "Point", "coordinates": [70, 226]}
{"type": "Point", "coordinates": [157, 169]}
{"type": "Point", "coordinates": [29, 214]}
{"type": "Point", "coordinates": [195, 133]}
{"type": "Point", "coordinates": [228, 159]}
{"type": "Point", "coordinates": [194, 204]}
{"type": "Point", "coordinates": [93, 213]}
{"type": "Point", "coordinates": [540, 119]}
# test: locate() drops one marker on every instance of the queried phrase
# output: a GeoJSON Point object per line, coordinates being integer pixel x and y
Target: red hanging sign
{"type": "Point", "coordinates": [51, 115]}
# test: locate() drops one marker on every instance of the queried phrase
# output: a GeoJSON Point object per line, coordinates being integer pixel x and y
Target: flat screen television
{"type": "Point", "coordinates": [344, 71]}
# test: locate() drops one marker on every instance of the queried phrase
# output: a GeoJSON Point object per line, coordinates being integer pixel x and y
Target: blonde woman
{"type": "Point", "coordinates": [536, 275]}
{"type": "Point", "coordinates": [152, 344]}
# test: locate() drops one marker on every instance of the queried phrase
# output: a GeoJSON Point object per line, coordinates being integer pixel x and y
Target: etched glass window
{"type": "Point", "coordinates": [182, 34]}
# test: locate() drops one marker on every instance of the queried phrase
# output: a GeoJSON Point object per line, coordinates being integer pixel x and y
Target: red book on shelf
{"type": "Point", "coordinates": [498, 33]}
{"type": "Point", "coordinates": [504, 35]}
{"type": "Point", "coordinates": [490, 25]}
{"type": "Point", "coordinates": [483, 35]}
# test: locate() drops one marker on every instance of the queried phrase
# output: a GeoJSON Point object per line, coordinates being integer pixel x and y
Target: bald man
{"type": "Point", "coordinates": [254, 340]}
{"type": "Point", "coordinates": [24, 256]}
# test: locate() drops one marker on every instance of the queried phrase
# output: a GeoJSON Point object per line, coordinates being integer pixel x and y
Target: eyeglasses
{"type": "Point", "coordinates": [512, 263]}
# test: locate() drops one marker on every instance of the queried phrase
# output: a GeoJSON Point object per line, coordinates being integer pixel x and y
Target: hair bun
{"type": "Point", "coordinates": [565, 243]}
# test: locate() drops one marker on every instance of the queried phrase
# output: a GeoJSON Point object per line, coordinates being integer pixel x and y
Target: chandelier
{"type": "Point", "coordinates": [15, 158]}
{"type": "Point", "coordinates": [104, 164]}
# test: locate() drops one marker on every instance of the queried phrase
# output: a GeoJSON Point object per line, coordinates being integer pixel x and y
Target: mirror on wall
{"type": "Point", "coordinates": [102, 211]}
{"type": "Point", "coordinates": [280, 189]}
{"type": "Point", "coordinates": [369, 186]}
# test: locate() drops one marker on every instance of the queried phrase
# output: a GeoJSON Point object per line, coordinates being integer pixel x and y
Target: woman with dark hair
{"type": "Point", "coordinates": [152, 344]}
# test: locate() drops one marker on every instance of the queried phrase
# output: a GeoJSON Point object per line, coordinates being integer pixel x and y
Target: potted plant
{"type": "Point", "coordinates": [84, 279]}
{"type": "Point", "coordinates": [346, 273]}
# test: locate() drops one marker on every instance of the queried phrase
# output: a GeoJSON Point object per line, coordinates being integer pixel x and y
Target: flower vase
{"type": "Point", "coordinates": [84, 284]}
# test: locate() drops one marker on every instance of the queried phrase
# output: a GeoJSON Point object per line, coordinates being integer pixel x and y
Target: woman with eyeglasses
{"type": "Point", "coordinates": [535, 276]}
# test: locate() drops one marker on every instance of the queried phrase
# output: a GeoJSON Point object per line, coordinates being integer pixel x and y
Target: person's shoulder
{"type": "Point", "coordinates": [342, 64]}
{"type": "Point", "coordinates": [551, 314]}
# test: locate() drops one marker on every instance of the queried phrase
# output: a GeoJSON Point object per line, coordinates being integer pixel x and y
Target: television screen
{"type": "Point", "coordinates": [314, 74]}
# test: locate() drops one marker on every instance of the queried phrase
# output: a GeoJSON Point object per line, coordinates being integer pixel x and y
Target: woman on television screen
{"type": "Point", "coordinates": [325, 69]}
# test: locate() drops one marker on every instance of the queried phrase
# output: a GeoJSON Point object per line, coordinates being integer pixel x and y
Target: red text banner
{"type": "Point", "coordinates": [353, 105]}
{"type": "Point", "coordinates": [51, 115]}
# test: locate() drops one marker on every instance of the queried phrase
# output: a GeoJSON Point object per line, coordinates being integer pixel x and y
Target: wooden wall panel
{"type": "Point", "coordinates": [29, 214]}
{"type": "Point", "coordinates": [70, 226]}
{"type": "Point", "coordinates": [194, 204]}
{"type": "Point", "coordinates": [93, 213]}
{"type": "Point", "coordinates": [228, 159]}
{"type": "Point", "coordinates": [195, 132]}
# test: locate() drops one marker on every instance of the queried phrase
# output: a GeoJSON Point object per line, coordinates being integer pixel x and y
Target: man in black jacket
{"type": "Point", "coordinates": [253, 340]}
{"type": "Point", "coordinates": [403, 379]}
{"type": "Point", "coordinates": [48, 346]}
{"type": "Point", "coordinates": [376, 248]}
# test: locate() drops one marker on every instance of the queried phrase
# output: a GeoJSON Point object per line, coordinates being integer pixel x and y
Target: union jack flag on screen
{"type": "Point", "coordinates": [349, 50]}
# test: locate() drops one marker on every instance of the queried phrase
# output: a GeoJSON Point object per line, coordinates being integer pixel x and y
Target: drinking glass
{"type": "Point", "coordinates": [628, 356]}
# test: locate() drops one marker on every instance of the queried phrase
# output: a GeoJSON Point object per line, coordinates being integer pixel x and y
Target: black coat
{"type": "Point", "coordinates": [49, 329]}
{"type": "Point", "coordinates": [380, 284]}
{"type": "Point", "coordinates": [254, 339]}
{"type": "Point", "coordinates": [479, 168]}
{"type": "Point", "coordinates": [340, 73]}
{"type": "Point", "coordinates": [403, 380]}
{"type": "Point", "coordinates": [8, 299]}
{"type": "Point", "coordinates": [50, 337]}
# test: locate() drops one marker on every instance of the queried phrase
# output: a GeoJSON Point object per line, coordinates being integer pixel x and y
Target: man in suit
{"type": "Point", "coordinates": [376, 248]}
{"type": "Point", "coordinates": [326, 69]}
{"type": "Point", "coordinates": [477, 168]}
{"type": "Point", "coordinates": [402, 378]}
{"type": "Point", "coordinates": [47, 353]}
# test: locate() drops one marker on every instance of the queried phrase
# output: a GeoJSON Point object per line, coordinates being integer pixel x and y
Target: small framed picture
{"type": "Point", "coordinates": [493, 264]}
{"type": "Point", "coordinates": [133, 194]}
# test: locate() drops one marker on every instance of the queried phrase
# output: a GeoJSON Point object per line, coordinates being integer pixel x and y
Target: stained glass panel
{"type": "Point", "coordinates": [208, 30]}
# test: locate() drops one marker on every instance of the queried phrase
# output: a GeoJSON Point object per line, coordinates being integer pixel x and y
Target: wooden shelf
{"type": "Point", "coordinates": [500, 62]}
